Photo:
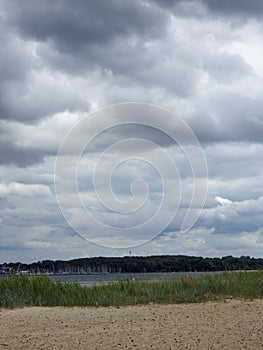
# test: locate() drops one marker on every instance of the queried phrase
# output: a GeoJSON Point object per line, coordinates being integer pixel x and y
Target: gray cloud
{"type": "Point", "coordinates": [244, 8]}
{"type": "Point", "coordinates": [11, 154]}
{"type": "Point", "coordinates": [72, 27]}
{"type": "Point", "coordinates": [234, 217]}
{"type": "Point", "coordinates": [199, 59]}
{"type": "Point", "coordinates": [224, 8]}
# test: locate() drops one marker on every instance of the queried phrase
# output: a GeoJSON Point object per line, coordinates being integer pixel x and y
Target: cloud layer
{"type": "Point", "coordinates": [201, 60]}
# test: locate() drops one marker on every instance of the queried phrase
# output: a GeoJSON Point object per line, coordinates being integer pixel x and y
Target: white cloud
{"type": "Point", "coordinates": [223, 201]}
{"type": "Point", "coordinates": [22, 190]}
{"type": "Point", "coordinates": [234, 216]}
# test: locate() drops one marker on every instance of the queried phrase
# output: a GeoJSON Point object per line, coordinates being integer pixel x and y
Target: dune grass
{"type": "Point", "coordinates": [20, 291]}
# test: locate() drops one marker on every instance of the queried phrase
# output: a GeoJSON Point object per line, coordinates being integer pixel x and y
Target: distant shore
{"type": "Point", "coordinates": [134, 264]}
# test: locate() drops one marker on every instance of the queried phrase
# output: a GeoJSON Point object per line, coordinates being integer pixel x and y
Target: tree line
{"type": "Point", "coordinates": [128, 264]}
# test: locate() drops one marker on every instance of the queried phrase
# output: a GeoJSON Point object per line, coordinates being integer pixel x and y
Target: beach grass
{"type": "Point", "coordinates": [18, 291]}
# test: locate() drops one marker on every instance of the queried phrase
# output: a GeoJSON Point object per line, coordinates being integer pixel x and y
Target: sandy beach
{"type": "Point", "coordinates": [229, 325]}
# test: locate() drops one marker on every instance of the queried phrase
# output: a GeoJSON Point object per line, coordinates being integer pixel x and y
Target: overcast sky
{"type": "Point", "coordinates": [200, 60]}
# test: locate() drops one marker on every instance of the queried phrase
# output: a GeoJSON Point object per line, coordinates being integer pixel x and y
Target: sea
{"type": "Point", "coordinates": [104, 278]}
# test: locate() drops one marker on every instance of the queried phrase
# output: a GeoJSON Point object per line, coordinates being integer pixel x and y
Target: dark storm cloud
{"type": "Point", "coordinates": [89, 34]}
{"type": "Point", "coordinates": [28, 89]}
{"type": "Point", "coordinates": [14, 62]}
{"type": "Point", "coordinates": [245, 8]}
{"type": "Point", "coordinates": [72, 25]}
{"type": "Point", "coordinates": [11, 154]}
{"type": "Point", "coordinates": [233, 8]}
{"type": "Point", "coordinates": [45, 37]}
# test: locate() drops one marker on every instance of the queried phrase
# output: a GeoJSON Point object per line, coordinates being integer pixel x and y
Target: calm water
{"type": "Point", "coordinates": [109, 277]}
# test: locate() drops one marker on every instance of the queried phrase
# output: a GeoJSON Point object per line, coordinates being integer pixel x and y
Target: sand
{"type": "Point", "coordinates": [229, 325]}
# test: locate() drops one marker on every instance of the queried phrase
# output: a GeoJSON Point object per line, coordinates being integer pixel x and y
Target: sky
{"type": "Point", "coordinates": [190, 64]}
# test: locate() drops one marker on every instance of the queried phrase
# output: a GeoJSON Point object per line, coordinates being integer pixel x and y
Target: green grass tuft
{"type": "Point", "coordinates": [20, 291]}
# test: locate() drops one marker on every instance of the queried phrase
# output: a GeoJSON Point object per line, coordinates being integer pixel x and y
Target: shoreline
{"type": "Point", "coordinates": [231, 324]}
